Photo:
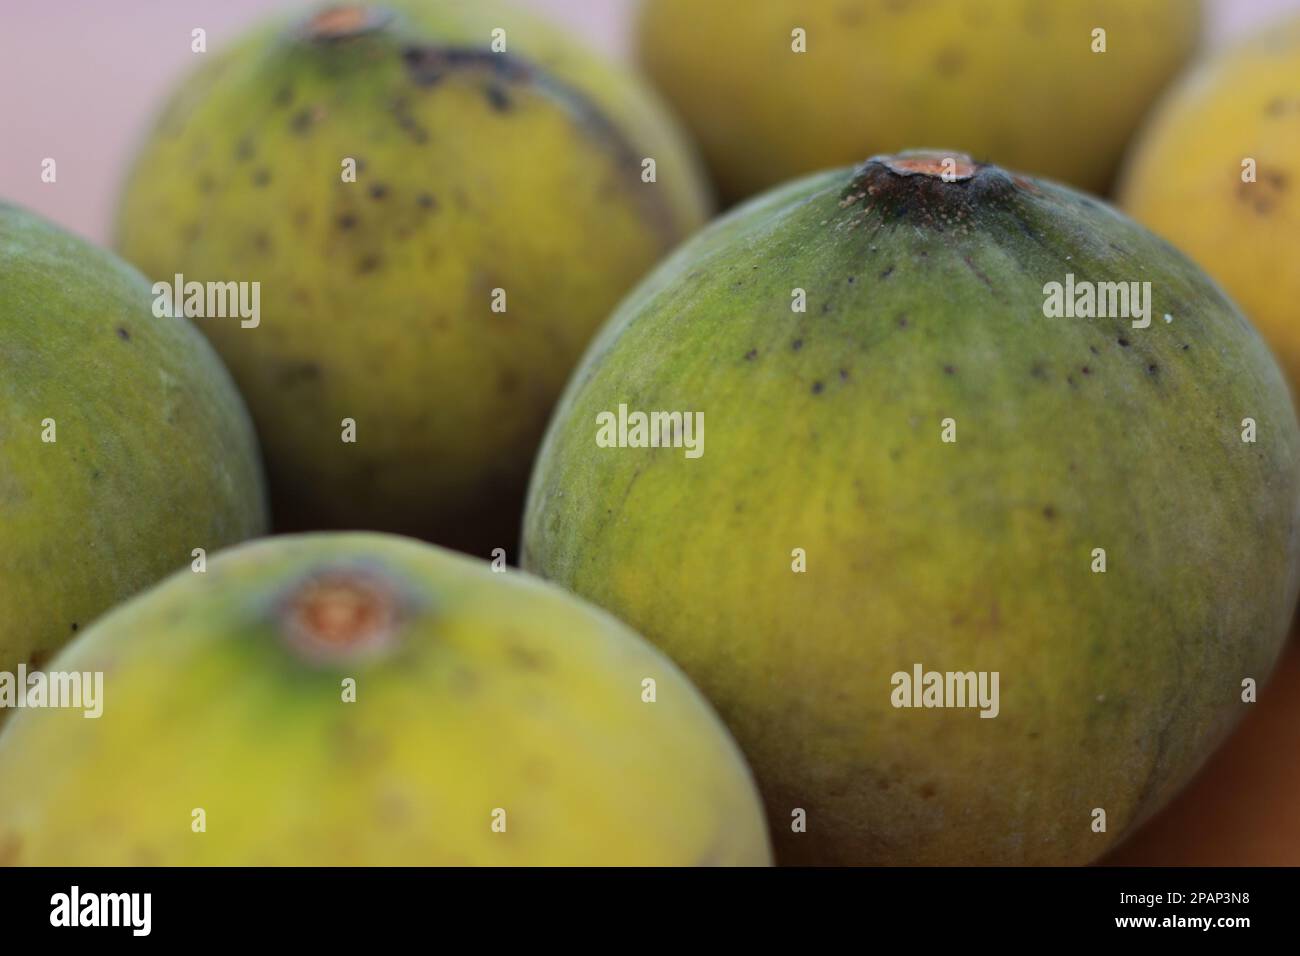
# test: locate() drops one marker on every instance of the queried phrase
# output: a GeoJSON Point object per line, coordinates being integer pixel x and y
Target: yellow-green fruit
{"type": "Point", "coordinates": [913, 460]}
{"type": "Point", "coordinates": [1017, 82]}
{"type": "Point", "coordinates": [367, 699]}
{"type": "Point", "coordinates": [1234, 119]}
{"type": "Point", "coordinates": [499, 211]}
{"type": "Point", "coordinates": [123, 443]}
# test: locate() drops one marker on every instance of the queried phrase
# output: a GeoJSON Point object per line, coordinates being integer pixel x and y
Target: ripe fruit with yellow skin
{"type": "Point", "coordinates": [484, 179]}
{"type": "Point", "coordinates": [1015, 82]}
{"type": "Point", "coordinates": [475, 692]}
{"type": "Point", "coordinates": [123, 443]}
{"type": "Point", "coordinates": [921, 467]}
{"type": "Point", "coordinates": [1185, 180]}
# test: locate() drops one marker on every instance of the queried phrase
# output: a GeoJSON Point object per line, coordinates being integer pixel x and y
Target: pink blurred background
{"type": "Point", "coordinates": [81, 79]}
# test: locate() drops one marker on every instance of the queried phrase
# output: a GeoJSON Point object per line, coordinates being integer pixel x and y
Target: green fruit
{"type": "Point", "coordinates": [827, 432]}
{"type": "Point", "coordinates": [123, 444]}
{"type": "Point", "coordinates": [475, 692]}
{"type": "Point", "coordinates": [477, 171]}
{"type": "Point", "coordinates": [1017, 82]}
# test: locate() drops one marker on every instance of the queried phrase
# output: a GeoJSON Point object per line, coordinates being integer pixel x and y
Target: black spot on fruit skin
{"type": "Point", "coordinates": [796, 345]}
{"type": "Point", "coordinates": [261, 177]}
{"type": "Point", "coordinates": [123, 334]}
{"type": "Point", "coordinates": [347, 221]}
{"type": "Point", "coordinates": [751, 355]}
{"type": "Point", "coordinates": [368, 264]}
{"type": "Point", "coordinates": [497, 98]}
{"type": "Point", "coordinates": [295, 372]}
{"type": "Point", "coordinates": [378, 191]}
{"type": "Point", "coordinates": [817, 388]}
{"type": "Point", "coordinates": [425, 201]}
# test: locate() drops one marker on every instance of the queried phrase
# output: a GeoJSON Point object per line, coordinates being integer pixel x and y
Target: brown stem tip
{"type": "Point", "coordinates": [344, 21]}
{"type": "Point", "coordinates": [928, 162]}
{"type": "Point", "coordinates": [340, 615]}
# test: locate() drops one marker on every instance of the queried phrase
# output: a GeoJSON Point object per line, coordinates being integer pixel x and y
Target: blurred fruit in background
{"type": "Point", "coordinates": [1014, 82]}
{"type": "Point", "coordinates": [1236, 117]}
{"type": "Point", "coordinates": [440, 300]}
{"type": "Point", "coordinates": [1244, 807]}
{"type": "Point", "coordinates": [493, 720]}
{"type": "Point", "coordinates": [123, 443]}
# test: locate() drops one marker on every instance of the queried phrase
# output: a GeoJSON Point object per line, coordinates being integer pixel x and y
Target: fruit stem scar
{"type": "Point", "coordinates": [340, 614]}
{"type": "Point", "coordinates": [345, 20]}
{"type": "Point", "coordinates": [930, 163]}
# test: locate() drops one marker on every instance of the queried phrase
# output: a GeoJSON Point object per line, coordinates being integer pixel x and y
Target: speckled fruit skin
{"type": "Point", "coordinates": [1184, 181]}
{"type": "Point", "coordinates": [1011, 81]}
{"type": "Point", "coordinates": [925, 303]}
{"type": "Point", "coordinates": [518, 171]}
{"type": "Point", "coordinates": [154, 452]}
{"type": "Point", "coordinates": [478, 691]}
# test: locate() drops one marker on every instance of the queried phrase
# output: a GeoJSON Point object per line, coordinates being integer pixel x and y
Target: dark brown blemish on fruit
{"type": "Point", "coordinates": [975, 269]}
{"type": "Point", "coordinates": [1085, 370]}
{"type": "Point", "coordinates": [378, 191]}
{"type": "Point", "coordinates": [902, 321]}
{"type": "Point", "coordinates": [283, 96]}
{"type": "Point", "coordinates": [346, 221]}
{"type": "Point", "coordinates": [526, 658]}
{"type": "Point", "coordinates": [244, 149]}
{"type": "Point", "coordinates": [36, 659]}
{"type": "Point", "coordinates": [206, 184]}
{"type": "Point", "coordinates": [751, 355]}
{"type": "Point", "coordinates": [302, 122]}
{"type": "Point", "coordinates": [1049, 513]}
{"type": "Point", "coordinates": [1094, 350]}
{"type": "Point", "coordinates": [887, 273]}
{"type": "Point", "coordinates": [367, 264]}
{"type": "Point", "coordinates": [950, 61]}
{"type": "Point", "coordinates": [817, 388]}
{"type": "Point", "coordinates": [1122, 342]}
{"type": "Point", "coordinates": [427, 65]}
{"type": "Point", "coordinates": [796, 345]}
{"type": "Point", "coordinates": [261, 241]}
{"type": "Point", "coordinates": [950, 370]}
{"type": "Point", "coordinates": [293, 372]}
{"type": "Point", "coordinates": [426, 201]}
{"type": "Point", "coordinates": [844, 375]}
{"type": "Point", "coordinates": [1153, 369]}
{"type": "Point", "coordinates": [11, 848]}
{"type": "Point", "coordinates": [261, 177]}
{"type": "Point", "coordinates": [123, 334]}
{"type": "Point", "coordinates": [1280, 105]}
{"type": "Point", "coordinates": [826, 307]}
{"type": "Point", "coordinates": [928, 790]}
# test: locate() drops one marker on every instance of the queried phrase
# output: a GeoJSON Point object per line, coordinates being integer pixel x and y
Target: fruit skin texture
{"type": "Point", "coordinates": [474, 691]}
{"type": "Point", "coordinates": [1014, 82]}
{"type": "Point", "coordinates": [1183, 180]}
{"type": "Point", "coordinates": [154, 452]}
{"type": "Point", "coordinates": [924, 303]}
{"type": "Point", "coordinates": [478, 171]}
